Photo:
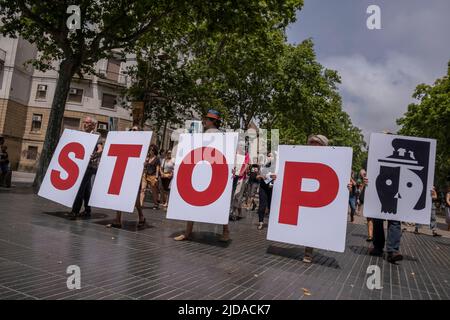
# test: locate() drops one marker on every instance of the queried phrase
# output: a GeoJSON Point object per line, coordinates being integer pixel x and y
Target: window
{"type": "Point", "coordinates": [75, 95]}
{"type": "Point", "coordinates": [36, 122]}
{"type": "Point", "coordinates": [108, 101]}
{"type": "Point", "coordinates": [71, 123]}
{"type": "Point", "coordinates": [32, 153]}
{"type": "Point", "coordinates": [113, 69]}
{"type": "Point", "coordinates": [102, 128]}
{"type": "Point", "coordinates": [41, 92]}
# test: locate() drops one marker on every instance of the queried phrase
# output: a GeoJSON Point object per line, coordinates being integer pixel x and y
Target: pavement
{"type": "Point", "coordinates": [38, 243]}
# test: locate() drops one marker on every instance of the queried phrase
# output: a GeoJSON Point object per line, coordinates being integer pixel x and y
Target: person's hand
{"type": "Point", "coordinates": [366, 181]}
{"type": "Point", "coordinates": [433, 193]}
{"type": "Point", "coordinates": [349, 186]}
{"type": "Point", "coordinates": [273, 176]}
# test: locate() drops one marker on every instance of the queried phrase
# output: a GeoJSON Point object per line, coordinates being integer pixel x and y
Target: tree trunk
{"type": "Point", "coordinates": [164, 133]}
{"type": "Point", "coordinates": [66, 71]}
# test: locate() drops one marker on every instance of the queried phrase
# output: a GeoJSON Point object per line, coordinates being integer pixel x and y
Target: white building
{"type": "Point", "coordinates": [26, 96]}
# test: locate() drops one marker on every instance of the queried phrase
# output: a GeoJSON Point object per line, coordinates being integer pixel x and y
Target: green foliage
{"type": "Point", "coordinates": [430, 118]}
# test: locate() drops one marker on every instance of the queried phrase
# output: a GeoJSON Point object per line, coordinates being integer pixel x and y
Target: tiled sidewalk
{"type": "Point", "coordinates": [38, 243]}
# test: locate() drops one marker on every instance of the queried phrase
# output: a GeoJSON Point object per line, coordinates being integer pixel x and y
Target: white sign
{"type": "Point", "coordinates": [310, 197]}
{"type": "Point", "coordinates": [119, 174]}
{"type": "Point", "coordinates": [203, 180]}
{"type": "Point", "coordinates": [400, 172]}
{"type": "Point", "coordinates": [68, 166]}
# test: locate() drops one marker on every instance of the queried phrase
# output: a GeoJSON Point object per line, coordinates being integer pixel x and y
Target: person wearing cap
{"type": "Point", "coordinates": [211, 124]}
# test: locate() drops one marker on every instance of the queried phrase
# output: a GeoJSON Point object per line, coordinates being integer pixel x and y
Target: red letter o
{"type": "Point", "coordinates": [219, 177]}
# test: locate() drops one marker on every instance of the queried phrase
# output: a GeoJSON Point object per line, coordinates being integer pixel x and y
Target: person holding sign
{"type": "Point", "coordinates": [320, 141]}
{"type": "Point", "coordinates": [211, 124]}
{"type": "Point", "coordinates": [118, 222]}
{"type": "Point", "coordinates": [84, 193]}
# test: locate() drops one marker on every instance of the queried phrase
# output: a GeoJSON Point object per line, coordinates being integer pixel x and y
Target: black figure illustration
{"type": "Point", "coordinates": [404, 175]}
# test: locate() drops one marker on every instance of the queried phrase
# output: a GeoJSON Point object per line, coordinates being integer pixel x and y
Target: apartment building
{"type": "Point", "coordinates": [26, 96]}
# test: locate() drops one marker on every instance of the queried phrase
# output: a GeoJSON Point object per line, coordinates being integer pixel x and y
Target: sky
{"type": "Point", "coordinates": [379, 69]}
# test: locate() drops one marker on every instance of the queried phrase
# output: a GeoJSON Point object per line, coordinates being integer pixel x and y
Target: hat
{"type": "Point", "coordinates": [319, 139]}
{"type": "Point", "coordinates": [214, 114]}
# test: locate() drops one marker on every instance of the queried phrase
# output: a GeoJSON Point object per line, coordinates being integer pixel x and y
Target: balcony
{"type": "Point", "coordinates": [111, 77]}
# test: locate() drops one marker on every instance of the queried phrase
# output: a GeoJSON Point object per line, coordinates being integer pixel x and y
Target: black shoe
{"type": "Point", "coordinates": [141, 223]}
{"type": "Point", "coordinates": [375, 252]}
{"type": "Point", "coordinates": [73, 216]}
{"type": "Point", "coordinates": [435, 234]}
{"type": "Point", "coordinates": [85, 215]}
{"type": "Point", "coordinates": [369, 239]}
{"type": "Point", "coordinates": [394, 257]}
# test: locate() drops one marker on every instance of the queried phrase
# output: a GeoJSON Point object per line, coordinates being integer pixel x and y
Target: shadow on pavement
{"type": "Point", "coordinates": [128, 225]}
{"type": "Point", "coordinates": [298, 254]}
{"type": "Point", "coordinates": [364, 251]}
{"type": "Point", "coordinates": [65, 215]}
{"type": "Point", "coordinates": [209, 238]}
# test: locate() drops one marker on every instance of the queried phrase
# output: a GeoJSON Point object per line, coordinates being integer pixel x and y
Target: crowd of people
{"type": "Point", "coordinates": [252, 188]}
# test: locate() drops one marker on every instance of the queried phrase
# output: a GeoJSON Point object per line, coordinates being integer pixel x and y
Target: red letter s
{"type": "Point", "coordinates": [68, 165]}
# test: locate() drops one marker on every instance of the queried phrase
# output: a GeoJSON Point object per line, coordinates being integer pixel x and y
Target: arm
{"type": "Point", "coordinates": [447, 199]}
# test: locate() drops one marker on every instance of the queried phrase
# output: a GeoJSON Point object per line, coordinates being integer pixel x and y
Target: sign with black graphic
{"type": "Point", "coordinates": [400, 172]}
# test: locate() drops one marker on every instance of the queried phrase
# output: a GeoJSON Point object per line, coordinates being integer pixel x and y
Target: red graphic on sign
{"type": "Point", "coordinates": [219, 177]}
{"type": "Point", "coordinates": [68, 165]}
{"type": "Point", "coordinates": [292, 197]}
{"type": "Point", "coordinates": [123, 152]}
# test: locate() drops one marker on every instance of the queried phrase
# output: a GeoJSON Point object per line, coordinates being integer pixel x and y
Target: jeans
{"type": "Point", "coordinates": [352, 203]}
{"type": "Point", "coordinates": [433, 221]}
{"type": "Point", "coordinates": [394, 235]}
{"type": "Point", "coordinates": [84, 193]}
{"type": "Point", "coordinates": [265, 197]}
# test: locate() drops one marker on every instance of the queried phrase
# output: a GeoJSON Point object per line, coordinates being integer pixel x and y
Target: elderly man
{"type": "Point", "coordinates": [84, 193]}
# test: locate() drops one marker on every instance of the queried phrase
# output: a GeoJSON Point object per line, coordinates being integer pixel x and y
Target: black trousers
{"type": "Point", "coordinates": [265, 198]}
{"type": "Point", "coordinates": [84, 193]}
{"type": "Point", "coordinates": [378, 234]}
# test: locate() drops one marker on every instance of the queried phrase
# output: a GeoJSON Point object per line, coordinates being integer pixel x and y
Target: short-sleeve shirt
{"type": "Point", "coordinates": [151, 167]}
{"type": "Point", "coordinates": [168, 165]}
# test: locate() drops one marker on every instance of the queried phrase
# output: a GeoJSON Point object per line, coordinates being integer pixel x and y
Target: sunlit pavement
{"type": "Point", "coordinates": [38, 242]}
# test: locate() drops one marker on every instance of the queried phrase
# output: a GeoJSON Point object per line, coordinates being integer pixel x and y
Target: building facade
{"type": "Point", "coordinates": [26, 96]}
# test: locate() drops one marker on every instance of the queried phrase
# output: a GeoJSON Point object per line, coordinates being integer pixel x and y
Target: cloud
{"type": "Point", "coordinates": [375, 94]}
{"type": "Point", "coordinates": [379, 68]}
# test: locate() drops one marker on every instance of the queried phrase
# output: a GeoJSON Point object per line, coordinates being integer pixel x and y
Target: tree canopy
{"type": "Point", "coordinates": [430, 118]}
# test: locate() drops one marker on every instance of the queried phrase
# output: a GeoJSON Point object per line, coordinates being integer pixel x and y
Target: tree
{"type": "Point", "coordinates": [161, 80]}
{"type": "Point", "coordinates": [306, 101]}
{"type": "Point", "coordinates": [430, 118]}
{"type": "Point", "coordinates": [241, 81]}
{"type": "Point", "coordinates": [110, 25]}
{"type": "Point", "coordinates": [105, 26]}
